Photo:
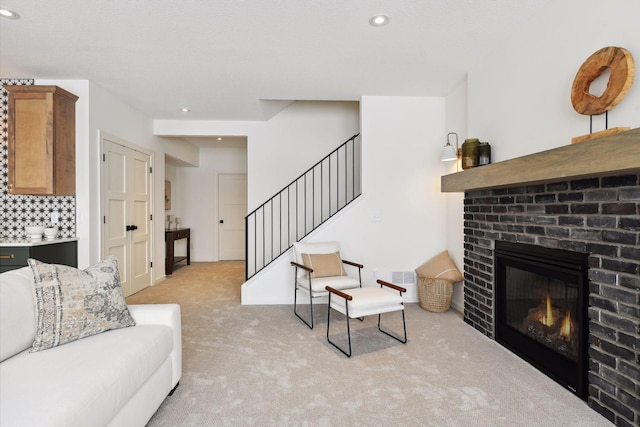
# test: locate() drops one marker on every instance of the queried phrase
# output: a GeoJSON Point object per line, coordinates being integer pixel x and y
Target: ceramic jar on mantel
{"type": "Point", "coordinates": [484, 153]}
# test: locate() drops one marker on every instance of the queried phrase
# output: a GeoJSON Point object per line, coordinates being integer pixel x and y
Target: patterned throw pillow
{"type": "Point", "coordinates": [72, 304]}
{"type": "Point", "coordinates": [324, 265]}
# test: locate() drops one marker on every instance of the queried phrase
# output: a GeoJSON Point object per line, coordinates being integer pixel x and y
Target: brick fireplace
{"type": "Point", "coordinates": [598, 215]}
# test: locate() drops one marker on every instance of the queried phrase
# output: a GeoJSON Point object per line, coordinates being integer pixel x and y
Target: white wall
{"type": "Point", "coordinates": [401, 141]}
{"type": "Point", "coordinates": [293, 141]}
{"type": "Point", "coordinates": [181, 151]}
{"type": "Point", "coordinates": [456, 122]}
{"type": "Point", "coordinates": [197, 195]}
{"type": "Point", "coordinates": [519, 97]}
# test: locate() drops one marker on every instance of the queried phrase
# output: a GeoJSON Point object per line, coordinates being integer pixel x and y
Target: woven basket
{"type": "Point", "coordinates": [434, 294]}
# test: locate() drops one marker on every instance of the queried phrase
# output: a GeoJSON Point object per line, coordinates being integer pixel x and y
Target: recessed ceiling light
{"type": "Point", "coordinates": [185, 110]}
{"type": "Point", "coordinates": [379, 20]}
{"type": "Point", "coordinates": [219, 139]}
{"type": "Point", "coordinates": [8, 13]}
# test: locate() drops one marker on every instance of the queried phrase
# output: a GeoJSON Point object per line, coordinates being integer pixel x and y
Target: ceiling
{"type": "Point", "coordinates": [247, 59]}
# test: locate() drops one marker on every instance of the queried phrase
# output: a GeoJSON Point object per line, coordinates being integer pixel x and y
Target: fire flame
{"type": "Point", "coordinates": [565, 328]}
{"type": "Point", "coordinates": [547, 319]}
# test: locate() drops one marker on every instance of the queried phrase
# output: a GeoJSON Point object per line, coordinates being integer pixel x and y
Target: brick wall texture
{"type": "Point", "coordinates": [599, 216]}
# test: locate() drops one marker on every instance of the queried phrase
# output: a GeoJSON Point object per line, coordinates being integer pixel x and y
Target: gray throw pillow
{"type": "Point", "coordinates": [72, 304]}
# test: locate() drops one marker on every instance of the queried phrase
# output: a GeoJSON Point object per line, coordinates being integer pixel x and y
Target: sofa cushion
{"type": "Point", "coordinates": [72, 304]}
{"type": "Point", "coordinates": [17, 312]}
{"type": "Point", "coordinates": [82, 383]}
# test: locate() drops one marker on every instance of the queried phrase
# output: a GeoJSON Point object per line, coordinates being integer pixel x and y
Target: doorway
{"type": "Point", "coordinates": [126, 211]}
{"type": "Point", "coordinates": [232, 208]}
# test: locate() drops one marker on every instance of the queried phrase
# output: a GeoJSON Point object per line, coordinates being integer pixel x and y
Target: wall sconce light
{"type": "Point", "coordinates": [449, 152]}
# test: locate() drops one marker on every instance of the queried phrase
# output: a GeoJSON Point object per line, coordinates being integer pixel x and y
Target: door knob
{"type": "Point", "coordinates": [222, 221]}
{"type": "Point", "coordinates": [132, 227]}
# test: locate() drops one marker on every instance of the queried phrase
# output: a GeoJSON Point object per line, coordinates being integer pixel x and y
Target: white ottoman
{"type": "Point", "coordinates": [365, 301]}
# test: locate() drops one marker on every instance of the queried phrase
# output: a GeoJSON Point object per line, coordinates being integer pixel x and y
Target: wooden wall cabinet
{"type": "Point", "coordinates": [42, 140]}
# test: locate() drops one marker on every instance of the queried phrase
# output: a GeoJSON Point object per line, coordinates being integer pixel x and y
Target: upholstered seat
{"type": "Point", "coordinates": [365, 301]}
{"type": "Point", "coordinates": [318, 286]}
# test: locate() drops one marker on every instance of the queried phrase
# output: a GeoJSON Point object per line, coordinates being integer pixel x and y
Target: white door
{"type": "Point", "coordinates": [232, 208]}
{"type": "Point", "coordinates": [126, 204]}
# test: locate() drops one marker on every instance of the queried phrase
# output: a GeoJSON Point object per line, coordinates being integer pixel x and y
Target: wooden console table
{"type": "Point", "coordinates": [170, 236]}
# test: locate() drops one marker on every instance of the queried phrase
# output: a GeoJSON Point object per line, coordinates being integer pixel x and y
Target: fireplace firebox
{"type": "Point", "coordinates": [541, 310]}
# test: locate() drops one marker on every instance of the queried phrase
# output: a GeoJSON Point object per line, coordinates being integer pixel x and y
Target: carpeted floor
{"type": "Point", "coordinates": [261, 366]}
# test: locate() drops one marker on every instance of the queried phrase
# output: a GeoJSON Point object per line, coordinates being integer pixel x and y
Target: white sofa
{"type": "Point", "coordinates": [116, 378]}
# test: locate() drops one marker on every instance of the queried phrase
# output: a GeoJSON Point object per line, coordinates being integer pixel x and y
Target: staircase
{"type": "Point", "coordinates": [302, 206]}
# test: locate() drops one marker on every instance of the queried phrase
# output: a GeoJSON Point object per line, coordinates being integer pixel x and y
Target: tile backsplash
{"type": "Point", "coordinates": [18, 211]}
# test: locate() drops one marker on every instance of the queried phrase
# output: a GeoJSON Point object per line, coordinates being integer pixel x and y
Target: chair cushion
{"type": "Point", "coordinates": [72, 304]}
{"type": "Point", "coordinates": [440, 267]}
{"type": "Point", "coordinates": [318, 285]}
{"type": "Point", "coordinates": [324, 265]}
{"type": "Point", "coordinates": [82, 383]}
{"type": "Point", "coordinates": [300, 248]}
{"type": "Point", "coordinates": [367, 301]}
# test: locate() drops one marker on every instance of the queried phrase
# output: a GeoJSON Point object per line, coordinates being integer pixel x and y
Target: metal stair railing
{"type": "Point", "coordinates": [302, 206]}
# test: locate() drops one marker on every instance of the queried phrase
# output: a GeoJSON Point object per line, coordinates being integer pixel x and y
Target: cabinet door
{"type": "Point", "coordinates": [41, 144]}
{"type": "Point", "coordinates": [14, 257]}
{"type": "Point", "coordinates": [30, 144]}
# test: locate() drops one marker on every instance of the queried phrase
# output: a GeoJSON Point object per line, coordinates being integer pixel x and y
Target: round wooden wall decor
{"type": "Point", "coordinates": [620, 61]}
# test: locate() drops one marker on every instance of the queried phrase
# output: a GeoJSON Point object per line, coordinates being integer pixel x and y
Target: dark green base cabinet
{"type": "Point", "coordinates": [14, 257]}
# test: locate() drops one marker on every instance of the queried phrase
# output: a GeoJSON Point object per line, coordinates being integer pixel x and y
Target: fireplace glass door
{"type": "Point", "coordinates": [541, 309]}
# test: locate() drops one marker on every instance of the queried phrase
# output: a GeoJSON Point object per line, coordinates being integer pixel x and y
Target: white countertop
{"type": "Point", "coordinates": [30, 242]}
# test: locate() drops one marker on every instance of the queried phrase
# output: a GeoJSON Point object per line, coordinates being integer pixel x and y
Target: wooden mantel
{"type": "Point", "coordinates": [609, 154]}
